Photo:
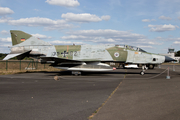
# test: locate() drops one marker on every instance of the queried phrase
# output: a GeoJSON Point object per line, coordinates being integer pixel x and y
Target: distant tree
{"type": "Point", "coordinates": [177, 53]}
{"type": "Point", "coordinates": [2, 55]}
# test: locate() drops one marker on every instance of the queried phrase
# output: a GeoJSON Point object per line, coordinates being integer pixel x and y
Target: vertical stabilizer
{"type": "Point", "coordinates": [19, 36]}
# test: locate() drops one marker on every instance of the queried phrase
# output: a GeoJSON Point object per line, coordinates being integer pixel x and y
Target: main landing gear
{"type": "Point", "coordinates": [76, 73]}
{"type": "Point", "coordinates": [144, 68]}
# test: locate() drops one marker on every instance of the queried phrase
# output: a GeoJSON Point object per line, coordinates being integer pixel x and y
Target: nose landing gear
{"type": "Point", "coordinates": [144, 68]}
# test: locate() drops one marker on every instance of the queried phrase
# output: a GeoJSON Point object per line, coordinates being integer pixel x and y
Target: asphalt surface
{"type": "Point", "coordinates": [38, 96]}
{"type": "Point", "coordinates": [171, 67]}
{"type": "Point", "coordinates": [145, 98]}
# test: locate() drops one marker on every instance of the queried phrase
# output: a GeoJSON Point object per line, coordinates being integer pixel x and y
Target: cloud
{"type": "Point", "coordinates": [5, 43]}
{"type": "Point", "coordinates": [110, 36]}
{"type": "Point", "coordinates": [106, 17]}
{"type": "Point", "coordinates": [171, 38]}
{"type": "Point", "coordinates": [162, 28]}
{"type": "Point", "coordinates": [4, 19]}
{"type": "Point", "coordinates": [65, 42]}
{"type": "Point", "coordinates": [148, 42]}
{"type": "Point", "coordinates": [41, 36]}
{"type": "Point", "coordinates": [58, 24]}
{"type": "Point", "coordinates": [152, 43]}
{"type": "Point", "coordinates": [75, 37]}
{"type": "Point", "coordinates": [5, 11]}
{"type": "Point", "coordinates": [35, 21]}
{"type": "Point", "coordinates": [8, 39]}
{"type": "Point", "coordinates": [176, 42]}
{"type": "Point", "coordinates": [106, 33]}
{"type": "Point", "coordinates": [4, 47]}
{"type": "Point", "coordinates": [104, 36]}
{"type": "Point", "coordinates": [4, 32]}
{"type": "Point", "coordinates": [97, 39]}
{"type": "Point", "coordinates": [84, 17]}
{"type": "Point", "coordinates": [66, 3]}
{"type": "Point", "coordinates": [145, 46]}
{"type": "Point", "coordinates": [36, 10]}
{"type": "Point", "coordinates": [165, 18]}
{"type": "Point", "coordinates": [47, 23]}
{"type": "Point", "coordinates": [114, 3]}
{"type": "Point", "coordinates": [148, 20]}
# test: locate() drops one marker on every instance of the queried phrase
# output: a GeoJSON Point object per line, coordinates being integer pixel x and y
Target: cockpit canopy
{"type": "Point", "coordinates": [131, 48]}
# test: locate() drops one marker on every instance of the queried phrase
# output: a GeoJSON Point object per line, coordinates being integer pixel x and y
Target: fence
{"type": "Point", "coordinates": [22, 65]}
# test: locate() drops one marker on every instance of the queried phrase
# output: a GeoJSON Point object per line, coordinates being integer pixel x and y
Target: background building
{"type": "Point", "coordinates": [171, 54]}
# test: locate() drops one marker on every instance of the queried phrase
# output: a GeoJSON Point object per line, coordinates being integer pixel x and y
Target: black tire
{"type": "Point", "coordinates": [141, 73]}
{"type": "Point", "coordinates": [151, 66]}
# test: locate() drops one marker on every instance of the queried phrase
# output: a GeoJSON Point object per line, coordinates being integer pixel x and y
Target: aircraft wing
{"type": "Point", "coordinates": [76, 65]}
{"type": "Point", "coordinates": [57, 60]}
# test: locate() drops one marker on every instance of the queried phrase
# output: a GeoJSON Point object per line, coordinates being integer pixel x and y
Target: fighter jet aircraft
{"type": "Point", "coordinates": [77, 58]}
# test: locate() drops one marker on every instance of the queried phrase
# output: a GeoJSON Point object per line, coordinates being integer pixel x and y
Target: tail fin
{"type": "Point", "coordinates": [19, 36]}
{"type": "Point", "coordinates": [25, 45]}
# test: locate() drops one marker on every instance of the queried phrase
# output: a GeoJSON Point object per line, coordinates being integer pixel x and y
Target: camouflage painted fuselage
{"type": "Point", "coordinates": [105, 53]}
{"type": "Point", "coordinates": [91, 52]}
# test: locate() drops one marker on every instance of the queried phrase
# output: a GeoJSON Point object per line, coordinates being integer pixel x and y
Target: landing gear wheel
{"type": "Point", "coordinates": [141, 73]}
{"type": "Point", "coordinates": [151, 66]}
{"type": "Point", "coordinates": [76, 74]}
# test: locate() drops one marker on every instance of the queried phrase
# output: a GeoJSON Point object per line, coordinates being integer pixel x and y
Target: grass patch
{"type": "Point", "coordinates": [8, 72]}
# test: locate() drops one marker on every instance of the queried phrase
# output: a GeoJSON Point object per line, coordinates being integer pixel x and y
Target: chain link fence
{"type": "Point", "coordinates": [22, 65]}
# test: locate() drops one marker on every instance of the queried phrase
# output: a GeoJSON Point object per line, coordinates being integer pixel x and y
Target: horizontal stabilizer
{"type": "Point", "coordinates": [9, 56]}
{"type": "Point", "coordinates": [20, 56]}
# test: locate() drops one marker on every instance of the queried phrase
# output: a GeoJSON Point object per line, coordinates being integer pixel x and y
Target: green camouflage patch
{"type": "Point", "coordinates": [67, 51]}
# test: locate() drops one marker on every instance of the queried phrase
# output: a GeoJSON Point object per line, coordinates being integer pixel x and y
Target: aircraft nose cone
{"type": "Point", "coordinates": [168, 59]}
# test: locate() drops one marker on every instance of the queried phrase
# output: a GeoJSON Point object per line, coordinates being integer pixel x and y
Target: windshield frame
{"type": "Point", "coordinates": [134, 48]}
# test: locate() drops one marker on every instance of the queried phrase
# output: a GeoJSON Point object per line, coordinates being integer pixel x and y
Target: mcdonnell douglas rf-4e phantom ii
{"type": "Point", "coordinates": [77, 58]}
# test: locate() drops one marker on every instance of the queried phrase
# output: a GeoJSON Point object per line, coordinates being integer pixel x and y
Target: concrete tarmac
{"type": "Point", "coordinates": [144, 98]}
{"type": "Point", "coordinates": [38, 96]}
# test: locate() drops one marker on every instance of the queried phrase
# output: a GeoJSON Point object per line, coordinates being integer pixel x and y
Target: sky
{"type": "Point", "coordinates": [153, 25]}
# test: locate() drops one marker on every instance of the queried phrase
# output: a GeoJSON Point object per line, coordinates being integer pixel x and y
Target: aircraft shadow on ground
{"type": "Point", "coordinates": [69, 73]}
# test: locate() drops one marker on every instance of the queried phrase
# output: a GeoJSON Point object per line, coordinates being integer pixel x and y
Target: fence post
{"type": "Point", "coordinates": [168, 77]}
{"type": "Point", "coordinates": [173, 67]}
{"type": "Point", "coordinates": [6, 65]}
{"type": "Point", "coordinates": [159, 66]}
{"type": "Point", "coordinates": [36, 65]}
{"type": "Point", "coordinates": [32, 64]}
{"type": "Point", "coordinates": [20, 64]}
